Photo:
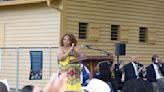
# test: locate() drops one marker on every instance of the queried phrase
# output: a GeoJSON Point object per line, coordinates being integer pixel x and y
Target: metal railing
{"type": "Point", "coordinates": [20, 55]}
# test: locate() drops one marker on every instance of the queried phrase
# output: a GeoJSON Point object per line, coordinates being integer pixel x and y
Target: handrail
{"type": "Point", "coordinates": [25, 47]}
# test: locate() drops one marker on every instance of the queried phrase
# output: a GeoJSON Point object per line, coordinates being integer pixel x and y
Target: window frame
{"type": "Point", "coordinates": [143, 31]}
{"type": "Point", "coordinates": [83, 26]}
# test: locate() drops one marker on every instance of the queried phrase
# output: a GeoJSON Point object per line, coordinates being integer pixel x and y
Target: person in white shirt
{"type": "Point", "coordinates": [134, 70]}
{"type": "Point", "coordinates": [155, 72]}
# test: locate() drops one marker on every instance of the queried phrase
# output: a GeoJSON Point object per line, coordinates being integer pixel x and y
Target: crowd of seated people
{"type": "Point", "coordinates": [106, 74]}
{"type": "Point", "coordinates": [120, 77]}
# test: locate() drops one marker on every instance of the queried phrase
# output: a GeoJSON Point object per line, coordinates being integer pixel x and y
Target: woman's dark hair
{"type": "Point", "coordinates": [27, 88]}
{"type": "Point", "coordinates": [3, 87]}
{"type": "Point", "coordinates": [137, 85]}
{"type": "Point", "coordinates": [72, 39]}
{"type": "Point", "coordinates": [105, 72]}
{"type": "Point", "coordinates": [154, 57]}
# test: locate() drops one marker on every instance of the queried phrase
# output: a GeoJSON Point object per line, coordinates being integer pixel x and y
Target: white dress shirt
{"type": "Point", "coordinates": [157, 72]}
{"type": "Point", "coordinates": [135, 66]}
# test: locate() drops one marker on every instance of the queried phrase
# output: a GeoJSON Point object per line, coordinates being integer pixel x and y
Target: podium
{"type": "Point", "coordinates": [90, 62]}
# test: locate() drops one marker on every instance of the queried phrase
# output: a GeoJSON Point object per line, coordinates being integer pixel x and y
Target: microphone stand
{"type": "Point", "coordinates": [117, 59]}
{"type": "Point", "coordinates": [99, 50]}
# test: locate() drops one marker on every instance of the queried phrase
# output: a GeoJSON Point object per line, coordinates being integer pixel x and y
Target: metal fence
{"type": "Point", "coordinates": [16, 65]}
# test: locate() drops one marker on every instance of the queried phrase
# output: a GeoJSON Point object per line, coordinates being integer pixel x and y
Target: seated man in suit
{"type": "Point", "coordinates": [134, 69]}
{"type": "Point", "coordinates": [155, 72]}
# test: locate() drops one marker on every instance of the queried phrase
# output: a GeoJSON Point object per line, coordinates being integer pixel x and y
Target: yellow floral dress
{"type": "Point", "coordinates": [73, 83]}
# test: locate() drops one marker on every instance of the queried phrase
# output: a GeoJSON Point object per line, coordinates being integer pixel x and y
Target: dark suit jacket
{"type": "Point", "coordinates": [105, 72]}
{"type": "Point", "coordinates": [130, 72]}
{"type": "Point", "coordinates": [150, 72]}
{"type": "Point", "coordinates": [117, 72]}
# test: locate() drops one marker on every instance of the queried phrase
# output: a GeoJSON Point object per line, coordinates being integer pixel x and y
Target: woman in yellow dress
{"type": "Point", "coordinates": [68, 51]}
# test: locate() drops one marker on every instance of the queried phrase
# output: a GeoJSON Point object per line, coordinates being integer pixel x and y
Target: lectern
{"type": "Point", "coordinates": [90, 62]}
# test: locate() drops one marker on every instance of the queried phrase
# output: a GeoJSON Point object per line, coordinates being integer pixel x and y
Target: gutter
{"type": "Point", "coordinates": [20, 2]}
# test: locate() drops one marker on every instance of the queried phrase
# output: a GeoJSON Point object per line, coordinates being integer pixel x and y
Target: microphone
{"type": "Point", "coordinates": [85, 46]}
{"type": "Point", "coordinates": [90, 47]}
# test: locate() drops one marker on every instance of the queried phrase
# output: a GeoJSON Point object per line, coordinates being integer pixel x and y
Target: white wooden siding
{"type": "Point", "coordinates": [32, 25]}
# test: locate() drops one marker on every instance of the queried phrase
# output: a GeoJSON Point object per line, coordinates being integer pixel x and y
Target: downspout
{"type": "Point", "coordinates": [56, 5]}
{"type": "Point", "coordinates": [49, 2]}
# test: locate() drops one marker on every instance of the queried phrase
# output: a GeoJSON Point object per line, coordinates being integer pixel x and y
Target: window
{"type": "Point", "coordinates": [83, 30]}
{"type": "Point", "coordinates": [142, 34]}
{"type": "Point", "coordinates": [114, 32]}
